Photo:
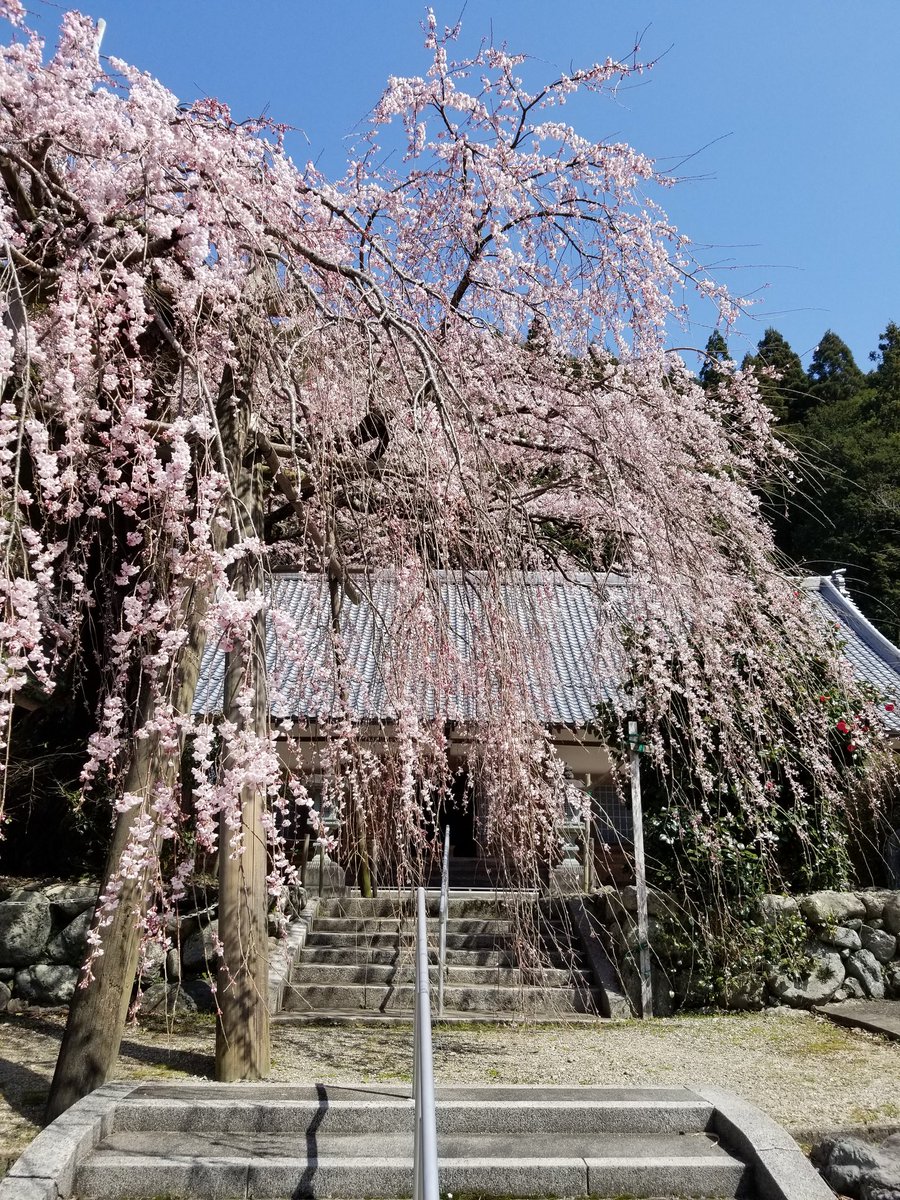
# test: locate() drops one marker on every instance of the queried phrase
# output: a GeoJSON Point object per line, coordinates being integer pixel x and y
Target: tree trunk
{"type": "Point", "coordinates": [98, 1012]}
{"type": "Point", "coordinates": [242, 1030]}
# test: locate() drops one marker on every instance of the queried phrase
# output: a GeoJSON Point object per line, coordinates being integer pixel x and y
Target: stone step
{"type": "Point", "coordinates": [369, 925]}
{"type": "Point", "coordinates": [391, 956]}
{"type": "Point", "coordinates": [457, 975]}
{"type": "Point", "coordinates": [390, 905]}
{"type": "Point", "coordinates": [382, 941]}
{"type": "Point", "coordinates": [472, 998]}
{"type": "Point", "coordinates": [317, 1163]}
{"type": "Point", "coordinates": [331, 1108]}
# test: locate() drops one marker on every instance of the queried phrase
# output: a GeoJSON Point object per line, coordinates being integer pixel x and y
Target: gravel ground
{"type": "Point", "coordinates": [811, 1076]}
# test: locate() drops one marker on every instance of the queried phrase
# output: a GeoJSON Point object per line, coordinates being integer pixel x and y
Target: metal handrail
{"type": "Point", "coordinates": [425, 1160]}
{"type": "Point", "coordinates": [442, 914]}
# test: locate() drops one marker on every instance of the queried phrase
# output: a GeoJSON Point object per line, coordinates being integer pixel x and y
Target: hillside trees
{"type": "Point", "coordinates": [846, 425]}
{"type": "Point", "coordinates": [782, 380]}
{"type": "Point", "coordinates": [216, 364]}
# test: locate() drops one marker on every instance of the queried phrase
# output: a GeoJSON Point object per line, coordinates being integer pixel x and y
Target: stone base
{"type": "Point", "coordinates": [333, 875]}
{"type": "Point", "coordinates": [567, 880]}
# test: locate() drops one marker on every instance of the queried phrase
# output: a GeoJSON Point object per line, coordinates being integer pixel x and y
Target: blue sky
{"type": "Point", "coordinates": [791, 111]}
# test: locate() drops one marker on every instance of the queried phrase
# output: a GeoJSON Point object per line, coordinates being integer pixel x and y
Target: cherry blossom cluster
{"type": "Point", "coordinates": [460, 367]}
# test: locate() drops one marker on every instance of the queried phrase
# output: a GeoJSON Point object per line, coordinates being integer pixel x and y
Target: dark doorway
{"type": "Point", "coordinates": [458, 814]}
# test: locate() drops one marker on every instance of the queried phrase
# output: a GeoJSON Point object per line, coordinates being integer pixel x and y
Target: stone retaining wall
{"type": "Point", "coordinates": [851, 948]}
{"type": "Point", "coordinates": [43, 943]}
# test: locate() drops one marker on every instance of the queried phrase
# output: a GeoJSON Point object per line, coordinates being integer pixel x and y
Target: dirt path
{"type": "Point", "coordinates": [808, 1074]}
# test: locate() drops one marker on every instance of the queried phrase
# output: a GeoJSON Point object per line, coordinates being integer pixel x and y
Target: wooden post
{"type": "Point", "coordinates": [359, 833]}
{"type": "Point", "coordinates": [242, 1029]}
{"type": "Point", "coordinates": [97, 1013]}
{"type": "Point", "coordinates": [640, 872]}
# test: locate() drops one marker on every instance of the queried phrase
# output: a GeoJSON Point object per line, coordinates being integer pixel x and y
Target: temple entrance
{"type": "Point", "coordinates": [469, 867]}
{"type": "Point", "coordinates": [458, 814]}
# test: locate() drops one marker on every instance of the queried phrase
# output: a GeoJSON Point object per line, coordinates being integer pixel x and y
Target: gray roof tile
{"type": "Point", "coordinates": [574, 657]}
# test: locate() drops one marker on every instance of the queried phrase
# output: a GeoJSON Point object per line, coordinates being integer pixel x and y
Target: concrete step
{"type": "Point", "coordinates": [457, 975]}
{"type": "Point", "coordinates": [483, 905]}
{"type": "Point", "coordinates": [332, 1108]}
{"type": "Point", "coordinates": [472, 998]}
{"type": "Point", "coordinates": [455, 941]}
{"type": "Point", "coordinates": [266, 1165]}
{"type": "Point", "coordinates": [406, 926]}
{"type": "Point", "coordinates": [391, 956]}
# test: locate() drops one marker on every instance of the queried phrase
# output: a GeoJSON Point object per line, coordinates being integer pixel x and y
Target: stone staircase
{"type": "Point", "coordinates": [217, 1142]}
{"type": "Point", "coordinates": [359, 959]}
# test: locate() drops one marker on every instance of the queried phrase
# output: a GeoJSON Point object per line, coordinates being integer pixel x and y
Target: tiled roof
{"type": "Point", "coordinates": [870, 654]}
{"type": "Point", "coordinates": [574, 658]}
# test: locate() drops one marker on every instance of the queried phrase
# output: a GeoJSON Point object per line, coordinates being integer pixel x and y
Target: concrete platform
{"type": "Point", "coordinates": [373, 1165]}
{"type": "Point", "coordinates": [874, 1016]}
{"type": "Point", "coordinates": [212, 1141]}
{"type": "Point", "coordinates": [393, 1017]}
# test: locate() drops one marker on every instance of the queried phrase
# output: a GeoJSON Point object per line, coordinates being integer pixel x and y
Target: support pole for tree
{"type": "Point", "coordinates": [242, 1029]}
{"type": "Point", "coordinates": [640, 872]}
{"type": "Point", "coordinates": [359, 834]}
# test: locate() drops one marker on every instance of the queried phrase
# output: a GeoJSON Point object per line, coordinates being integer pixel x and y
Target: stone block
{"type": "Point", "coordinates": [879, 942]}
{"type": "Point", "coordinates": [891, 914]}
{"type": "Point", "coordinates": [824, 908]}
{"type": "Point", "coordinates": [841, 936]}
{"type": "Point", "coordinates": [566, 880]}
{"type": "Point", "coordinates": [826, 975]}
{"type": "Point", "coordinates": [112, 1176]}
{"type": "Point", "coordinates": [857, 1168]}
{"type": "Point", "coordinates": [664, 1177]}
{"type": "Point", "coordinates": [333, 878]}
{"type": "Point", "coordinates": [333, 1177]}
{"type": "Point", "coordinates": [46, 983]}
{"type": "Point", "coordinates": [627, 899]}
{"type": "Point", "coordinates": [198, 952]}
{"type": "Point", "coordinates": [875, 899]}
{"type": "Point", "coordinates": [71, 899]}
{"type": "Point", "coordinates": [773, 909]}
{"type": "Point", "coordinates": [25, 925]}
{"type": "Point", "coordinates": [168, 998]}
{"type": "Point", "coordinates": [865, 967]}
{"type": "Point", "coordinates": [70, 944]}
{"type": "Point", "coordinates": [27, 1189]}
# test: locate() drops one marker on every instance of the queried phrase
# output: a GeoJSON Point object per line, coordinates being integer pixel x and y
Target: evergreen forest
{"type": "Point", "coordinates": [844, 510]}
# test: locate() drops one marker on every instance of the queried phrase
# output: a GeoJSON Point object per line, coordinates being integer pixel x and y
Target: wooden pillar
{"type": "Point", "coordinates": [242, 1030]}
{"type": "Point", "coordinates": [359, 837]}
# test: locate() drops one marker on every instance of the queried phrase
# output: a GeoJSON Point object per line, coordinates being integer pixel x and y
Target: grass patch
{"type": "Point", "coordinates": [860, 1115]}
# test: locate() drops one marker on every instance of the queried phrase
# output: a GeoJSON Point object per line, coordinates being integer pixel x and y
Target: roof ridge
{"type": "Point", "coordinates": [859, 622]}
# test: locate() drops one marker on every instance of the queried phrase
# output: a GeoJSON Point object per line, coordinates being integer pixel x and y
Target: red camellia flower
{"type": "Point", "coordinates": [842, 726]}
{"type": "Point", "coordinates": [889, 708]}
{"type": "Point", "coordinates": [851, 747]}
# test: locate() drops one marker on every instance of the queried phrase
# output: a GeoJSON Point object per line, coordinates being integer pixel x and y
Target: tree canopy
{"type": "Point", "coordinates": [844, 513]}
{"type": "Point", "coordinates": [183, 299]}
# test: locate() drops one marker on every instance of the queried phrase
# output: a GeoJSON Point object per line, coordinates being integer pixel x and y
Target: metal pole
{"type": "Point", "coordinates": [442, 913]}
{"type": "Point", "coordinates": [640, 872]}
{"type": "Point", "coordinates": [425, 1161]}
{"type": "Point", "coordinates": [417, 1098]}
